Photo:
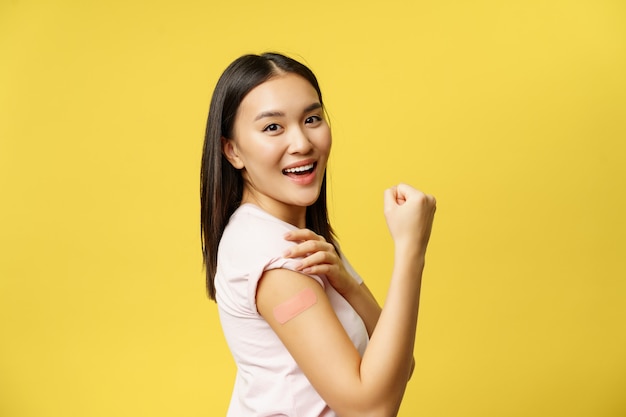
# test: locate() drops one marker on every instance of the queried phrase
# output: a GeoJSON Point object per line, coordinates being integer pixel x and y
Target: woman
{"type": "Point", "coordinates": [308, 337]}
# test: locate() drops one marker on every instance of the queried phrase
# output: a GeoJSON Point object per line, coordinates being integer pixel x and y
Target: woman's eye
{"type": "Point", "coordinates": [312, 119]}
{"type": "Point", "coordinates": [271, 128]}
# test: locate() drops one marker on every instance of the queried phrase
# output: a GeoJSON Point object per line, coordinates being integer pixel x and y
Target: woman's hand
{"type": "Point", "coordinates": [409, 213]}
{"type": "Point", "coordinates": [320, 257]}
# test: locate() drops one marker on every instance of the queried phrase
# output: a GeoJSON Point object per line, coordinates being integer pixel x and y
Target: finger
{"type": "Point", "coordinates": [319, 269]}
{"type": "Point", "coordinates": [389, 199]}
{"type": "Point", "coordinates": [404, 192]}
{"type": "Point", "coordinates": [404, 188]}
{"type": "Point", "coordinates": [301, 235]}
{"type": "Point", "coordinates": [309, 247]}
{"type": "Point", "coordinates": [317, 259]}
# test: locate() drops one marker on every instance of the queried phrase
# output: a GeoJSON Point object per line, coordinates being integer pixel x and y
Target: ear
{"type": "Point", "coordinates": [229, 149]}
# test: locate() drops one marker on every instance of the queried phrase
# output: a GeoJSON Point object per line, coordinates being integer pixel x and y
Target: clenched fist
{"type": "Point", "coordinates": [409, 213]}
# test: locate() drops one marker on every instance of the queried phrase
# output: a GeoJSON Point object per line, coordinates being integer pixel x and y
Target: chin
{"type": "Point", "coordinates": [306, 202]}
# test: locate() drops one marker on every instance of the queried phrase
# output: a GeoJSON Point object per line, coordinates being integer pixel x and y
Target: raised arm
{"type": "Point", "coordinates": [351, 385]}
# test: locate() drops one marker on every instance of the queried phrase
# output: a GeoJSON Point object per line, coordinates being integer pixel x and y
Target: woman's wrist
{"type": "Point", "coordinates": [410, 254]}
{"type": "Point", "coordinates": [350, 291]}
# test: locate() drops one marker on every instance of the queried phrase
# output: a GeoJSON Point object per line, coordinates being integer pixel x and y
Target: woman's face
{"type": "Point", "coordinates": [281, 142]}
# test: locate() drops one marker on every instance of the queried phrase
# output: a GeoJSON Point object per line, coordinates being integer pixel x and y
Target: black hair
{"type": "Point", "coordinates": [221, 185]}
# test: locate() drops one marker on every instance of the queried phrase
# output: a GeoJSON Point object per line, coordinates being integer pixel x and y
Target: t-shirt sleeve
{"type": "Point", "coordinates": [253, 243]}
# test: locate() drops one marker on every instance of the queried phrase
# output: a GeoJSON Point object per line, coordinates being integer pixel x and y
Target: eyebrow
{"type": "Point", "coordinates": [264, 114]}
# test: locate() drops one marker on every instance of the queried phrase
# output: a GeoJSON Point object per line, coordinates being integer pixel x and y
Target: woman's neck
{"type": "Point", "coordinates": [294, 215]}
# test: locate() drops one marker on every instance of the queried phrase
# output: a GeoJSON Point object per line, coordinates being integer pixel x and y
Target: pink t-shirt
{"type": "Point", "coordinates": [269, 381]}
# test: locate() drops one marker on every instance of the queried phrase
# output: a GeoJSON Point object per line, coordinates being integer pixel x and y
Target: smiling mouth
{"type": "Point", "coordinates": [302, 170]}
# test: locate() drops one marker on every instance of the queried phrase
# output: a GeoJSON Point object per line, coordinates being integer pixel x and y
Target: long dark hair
{"type": "Point", "coordinates": [221, 185]}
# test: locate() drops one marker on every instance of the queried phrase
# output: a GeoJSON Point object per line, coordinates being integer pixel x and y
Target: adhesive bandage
{"type": "Point", "coordinates": [295, 305]}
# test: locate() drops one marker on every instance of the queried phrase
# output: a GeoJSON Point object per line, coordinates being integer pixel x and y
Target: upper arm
{"type": "Point", "coordinates": [314, 337]}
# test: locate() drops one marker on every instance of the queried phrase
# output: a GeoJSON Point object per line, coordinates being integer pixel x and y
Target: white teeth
{"type": "Point", "coordinates": [300, 169]}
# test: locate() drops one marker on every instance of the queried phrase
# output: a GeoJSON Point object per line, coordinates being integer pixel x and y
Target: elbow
{"type": "Point", "coordinates": [387, 407]}
{"type": "Point", "coordinates": [381, 397]}
{"type": "Point", "coordinates": [411, 369]}
{"type": "Point", "coordinates": [371, 412]}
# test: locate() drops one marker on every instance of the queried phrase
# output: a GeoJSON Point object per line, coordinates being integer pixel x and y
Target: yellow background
{"type": "Point", "coordinates": [512, 113]}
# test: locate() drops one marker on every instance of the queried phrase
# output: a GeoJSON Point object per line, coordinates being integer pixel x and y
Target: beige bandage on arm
{"type": "Point", "coordinates": [295, 305]}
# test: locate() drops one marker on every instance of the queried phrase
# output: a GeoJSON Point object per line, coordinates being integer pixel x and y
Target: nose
{"type": "Point", "coordinates": [299, 142]}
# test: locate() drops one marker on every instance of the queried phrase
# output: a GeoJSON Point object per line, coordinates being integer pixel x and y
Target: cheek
{"type": "Point", "coordinates": [268, 152]}
{"type": "Point", "coordinates": [324, 141]}
{"type": "Point", "coordinates": [258, 150]}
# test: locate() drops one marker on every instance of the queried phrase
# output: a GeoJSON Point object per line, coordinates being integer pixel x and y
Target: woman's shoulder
{"type": "Point", "coordinates": [253, 242]}
{"type": "Point", "coordinates": [251, 228]}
